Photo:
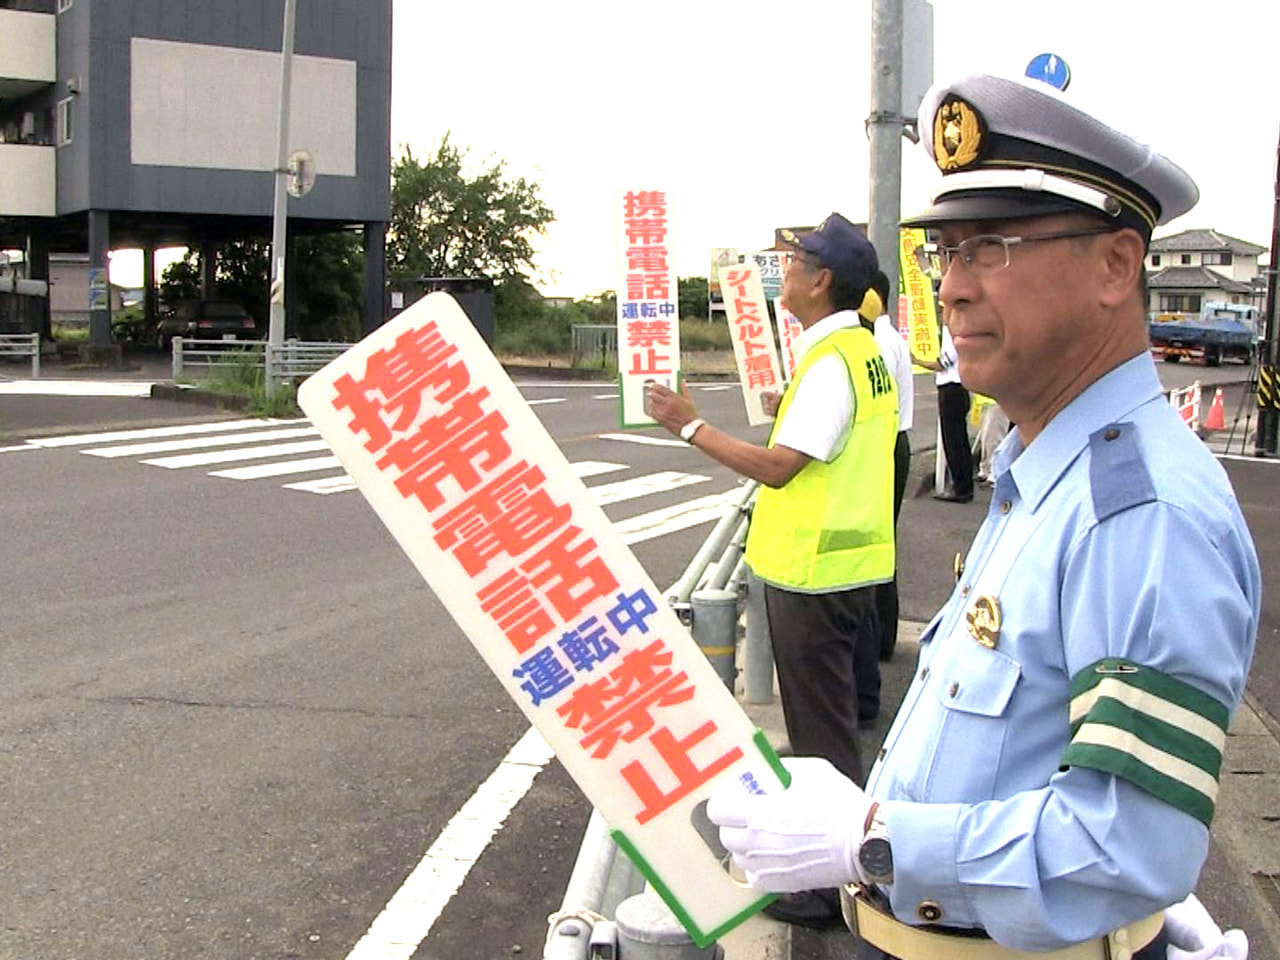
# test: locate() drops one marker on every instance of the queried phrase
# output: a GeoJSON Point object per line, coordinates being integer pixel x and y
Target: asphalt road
{"type": "Point", "coordinates": [233, 719]}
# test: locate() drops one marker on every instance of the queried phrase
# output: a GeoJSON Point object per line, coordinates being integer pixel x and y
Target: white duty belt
{"type": "Point", "coordinates": [907, 942]}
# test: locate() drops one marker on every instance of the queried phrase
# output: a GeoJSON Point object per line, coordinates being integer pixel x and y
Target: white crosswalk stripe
{"type": "Point", "coordinates": [195, 443]}
{"type": "Point", "coordinates": [291, 447]}
{"type": "Point", "coordinates": [240, 453]}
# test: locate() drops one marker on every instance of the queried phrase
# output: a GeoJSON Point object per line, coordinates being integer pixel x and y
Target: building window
{"type": "Point", "coordinates": [65, 120]}
{"type": "Point", "coordinates": [1186, 258]}
{"type": "Point", "coordinates": [1179, 303]}
{"type": "Point", "coordinates": [1155, 259]}
{"type": "Point", "coordinates": [1221, 259]}
{"type": "Point", "coordinates": [64, 5]}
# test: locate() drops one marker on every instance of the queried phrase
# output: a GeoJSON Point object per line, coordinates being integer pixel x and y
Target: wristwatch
{"type": "Point", "coordinates": [874, 853]}
{"type": "Point", "coordinates": [690, 428]}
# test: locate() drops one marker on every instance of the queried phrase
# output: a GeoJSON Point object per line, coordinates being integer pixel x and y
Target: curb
{"type": "Point", "coordinates": [195, 395]}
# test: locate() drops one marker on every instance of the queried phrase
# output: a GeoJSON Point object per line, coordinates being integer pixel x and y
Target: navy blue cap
{"type": "Point", "coordinates": [842, 248]}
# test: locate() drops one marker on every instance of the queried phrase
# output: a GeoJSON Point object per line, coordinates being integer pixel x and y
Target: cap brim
{"type": "Point", "coordinates": [988, 205]}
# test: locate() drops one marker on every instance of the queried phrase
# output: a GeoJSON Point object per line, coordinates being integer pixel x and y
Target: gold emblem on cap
{"type": "Point", "coordinates": [957, 135]}
{"type": "Point", "coordinates": [984, 621]}
{"type": "Point", "coordinates": [789, 235]}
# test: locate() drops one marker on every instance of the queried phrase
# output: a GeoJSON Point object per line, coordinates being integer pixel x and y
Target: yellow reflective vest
{"type": "Point", "coordinates": [831, 526]}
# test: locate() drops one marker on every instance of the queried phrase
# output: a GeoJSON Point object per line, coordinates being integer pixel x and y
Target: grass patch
{"type": "Point", "coordinates": [242, 376]}
{"type": "Point", "coordinates": [70, 333]}
{"type": "Point", "coordinates": [705, 335]}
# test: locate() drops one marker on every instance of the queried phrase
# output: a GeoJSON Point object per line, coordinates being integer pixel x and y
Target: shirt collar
{"type": "Point", "coordinates": [1109, 399]}
{"type": "Point", "coordinates": [828, 325]}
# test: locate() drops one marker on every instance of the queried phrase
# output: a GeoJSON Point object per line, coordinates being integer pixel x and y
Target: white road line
{"type": "Point", "coordinates": [151, 433]}
{"type": "Point", "coordinates": [325, 485]}
{"type": "Point", "coordinates": [17, 449]}
{"type": "Point", "coordinates": [725, 386]}
{"type": "Point", "coordinates": [605, 396]}
{"type": "Point", "coordinates": [658, 523]}
{"type": "Point", "coordinates": [75, 388]}
{"type": "Point", "coordinates": [240, 453]}
{"type": "Point", "coordinates": [607, 493]}
{"type": "Point", "coordinates": [594, 468]}
{"type": "Point", "coordinates": [196, 443]}
{"type": "Point", "coordinates": [343, 483]}
{"type": "Point", "coordinates": [409, 916]}
{"type": "Point", "coordinates": [638, 438]}
{"type": "Point", "coordinates": [1246, 458]}
{"type": "Point", "coordinates": [261, 470]}
{"type": "Point", "coordinates": [534, 403]}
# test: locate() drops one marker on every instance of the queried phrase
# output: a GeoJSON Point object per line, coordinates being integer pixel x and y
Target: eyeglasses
{"type": "Point", "coordinates": [811, 262]}
{"type": "Point", "coordinates": [987, 252]}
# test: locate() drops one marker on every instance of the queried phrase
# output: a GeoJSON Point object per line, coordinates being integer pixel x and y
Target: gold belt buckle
{"type": "Point", "coordinates": [848, 909]}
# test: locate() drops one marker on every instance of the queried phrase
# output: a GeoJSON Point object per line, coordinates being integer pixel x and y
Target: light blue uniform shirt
{"type": "Point", "coordinates": [1115, 534]}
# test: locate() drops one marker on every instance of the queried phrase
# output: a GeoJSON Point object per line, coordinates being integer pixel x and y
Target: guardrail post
{"type": "Point", "coordinates": [269, 367]}
{"type": "Point", "coordinates": [176, 343]}
{"type": "Point", "coordinates": [648, 930]}
{"type": "Point", "coordinates": [757, 647]}
{"type": "Point", "coordinates": [715, 628]}
{"type": "Point", "coordinates": [35, 356]}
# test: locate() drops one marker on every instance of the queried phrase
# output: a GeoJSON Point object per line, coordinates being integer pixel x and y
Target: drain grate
{"type": "Point", "coordinates": [1269, 884]}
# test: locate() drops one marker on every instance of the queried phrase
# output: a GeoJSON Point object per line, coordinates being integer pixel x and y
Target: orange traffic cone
{"type": "Point", "coordinates": [1216, 420]}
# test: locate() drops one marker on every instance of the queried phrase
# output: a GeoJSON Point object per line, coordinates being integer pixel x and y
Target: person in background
{"type": "Point", "coordinates": [953, 414]}
{"type": "Point", "coordinates": [821, 534]}
{"type": "Point", "coordinates": [897, 358]}
{"type": "Point", "coordinates": [1051, 777]}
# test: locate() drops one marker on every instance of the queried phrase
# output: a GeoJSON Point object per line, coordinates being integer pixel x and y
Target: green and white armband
{"type": "Point", "coordinates": [1156, 732]}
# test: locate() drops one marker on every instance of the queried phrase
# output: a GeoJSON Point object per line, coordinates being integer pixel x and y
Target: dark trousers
{"type": "Point", "coordinates": [1155, 950]}
{"type": "Point", "coordinates": [887, 593]}
{"type": "Point", "coordinates": [818, 657]}
{"type": "Point", "coordinates": [953, 411]}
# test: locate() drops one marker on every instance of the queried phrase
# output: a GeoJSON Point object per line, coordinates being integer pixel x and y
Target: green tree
{"type": "Point", "coordinates": [693, 297]}
{"type": "Point", "coordinates": [445, 223]}
{"type": "Point", "coordinates": [327, 291]}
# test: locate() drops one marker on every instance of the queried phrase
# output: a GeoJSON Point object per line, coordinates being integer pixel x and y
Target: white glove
{"type": "Point", "coordinates": [1194, 936]}
{"type": "Point", "coordinates": [803, 838]}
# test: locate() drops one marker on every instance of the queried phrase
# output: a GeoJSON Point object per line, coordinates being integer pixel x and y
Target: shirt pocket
{"type": "Point", "coordinates": [973, 693]}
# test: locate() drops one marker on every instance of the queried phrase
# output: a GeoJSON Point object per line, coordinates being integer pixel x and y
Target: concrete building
{"type": "Point", "coordinates": [1186, 269]}
{"type": "Point", "coordinates": [153, 123]}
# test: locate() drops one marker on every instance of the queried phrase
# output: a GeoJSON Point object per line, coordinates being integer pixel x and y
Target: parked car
{"type": "Point", "coordinates": [206, 320]}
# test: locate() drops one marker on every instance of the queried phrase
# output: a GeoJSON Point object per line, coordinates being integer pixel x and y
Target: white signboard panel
{"type": "Point", "coordinates": [479, 496]}
{"type": "Point", "coordinates": [752, 336]}
{"type": "Point", "coordinates": [788, 329]}
{"type": "Point", "coordinates": [648, 302]}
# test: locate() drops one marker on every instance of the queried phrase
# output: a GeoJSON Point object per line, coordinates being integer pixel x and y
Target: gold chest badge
{"type": "Point", "coordinates": [984, 621]}
{"type": "Point", "coordinates": [957, 135]}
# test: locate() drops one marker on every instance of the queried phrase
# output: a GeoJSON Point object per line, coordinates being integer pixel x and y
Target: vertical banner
{"type": "Point", "coordinates": [480, 498]}
{"type": "Point", "coordinates": [772, 264]}
{"type": "Point", "coordinates": [788, 329]}
{"type": "Point", "coordinates": [922, 309]}
{"type": "Point", "coordinates": [648, 302]}
{"type": "Point", "coordinates": [748, 317]}
{"type": "Point", "coordinates": [720, 257]}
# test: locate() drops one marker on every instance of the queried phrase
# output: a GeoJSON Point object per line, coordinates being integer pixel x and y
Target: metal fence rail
{"type": "Point", "coordinates": [22, 345]}
{"type": "Point", "coordinates": [594, 344]}
{"type": "Point", "coordinates": [293, 358]}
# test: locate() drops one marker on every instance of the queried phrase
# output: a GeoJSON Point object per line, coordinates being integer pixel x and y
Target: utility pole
{"type": "Point", "coordinates": [279, 215]}
{"type": "Point", "coordinates": [1269, 417]}
{"type": "Point", "coordinates": [884, 130]}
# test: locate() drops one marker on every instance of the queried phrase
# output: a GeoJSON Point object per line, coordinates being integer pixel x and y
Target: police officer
{"type": "Point", "coordinates": [821, 534]}
{"type": "Point", "coordinates": [1050, 777]}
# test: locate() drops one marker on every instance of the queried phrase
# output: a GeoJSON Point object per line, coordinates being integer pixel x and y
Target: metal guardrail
{"type": "Point", "coordinates": [706, 597]}
{"type": "Point", "coordinates": [293, 358]}
{"type": "Point", "coordinates": [594, 344]}
{"type": "Point", "coordinates": [22, 345]}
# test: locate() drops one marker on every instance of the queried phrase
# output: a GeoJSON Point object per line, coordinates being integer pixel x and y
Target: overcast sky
{"type": "Point", "coordinates": [751, 113]}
